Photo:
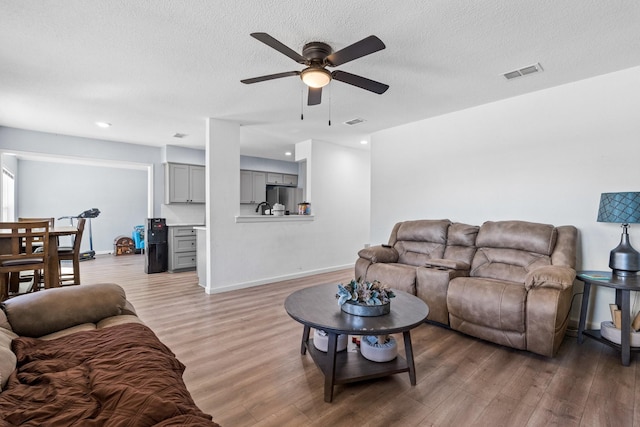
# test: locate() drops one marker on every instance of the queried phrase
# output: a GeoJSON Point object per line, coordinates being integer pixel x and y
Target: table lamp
{"type": "Point", "coordinates": [623, 208]}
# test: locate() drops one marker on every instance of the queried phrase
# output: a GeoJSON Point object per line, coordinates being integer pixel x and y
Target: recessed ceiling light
{"type": "Point", "coordinates": [288, 153]}
{"type": "Point", "coordinates": [364, 142]}
{"type": "Point", "coordinates": [103, 124]}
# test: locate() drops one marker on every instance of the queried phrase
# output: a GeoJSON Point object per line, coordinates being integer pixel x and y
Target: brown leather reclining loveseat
{"type": "Point", "coordinates": [508, 282]}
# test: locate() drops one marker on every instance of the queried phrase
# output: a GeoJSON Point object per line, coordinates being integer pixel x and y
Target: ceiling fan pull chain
{"type": "Point", "coordinates": [330, 97]}
{"type": "Point", "coordinates": [302, 102]}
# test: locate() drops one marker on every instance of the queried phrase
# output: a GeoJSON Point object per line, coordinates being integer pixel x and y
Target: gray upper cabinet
{"type": "Point", "coordinates": [253, 186]}
{"type": "Point", "coordinates": [290, 180]}
{"type": "Point", "coordinates": [282, 179]}
{"type": "Point", "coordinates": [184, 183]}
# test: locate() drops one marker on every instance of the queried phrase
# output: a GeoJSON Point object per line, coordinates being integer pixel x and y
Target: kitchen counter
{"type": "Point", "coordinates": [273, 218]}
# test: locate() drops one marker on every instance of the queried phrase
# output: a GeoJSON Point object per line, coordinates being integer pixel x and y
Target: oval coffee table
{"type": "Point", "coordinates": [317, 307]}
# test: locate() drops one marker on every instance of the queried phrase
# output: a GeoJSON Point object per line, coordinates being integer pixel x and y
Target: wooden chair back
{"type": "Point", "coordinates": [51, 221]}
{"type": "Point", "coordinates": [24, 246]}
{"type": "Point", "coordinates": [72, 253]}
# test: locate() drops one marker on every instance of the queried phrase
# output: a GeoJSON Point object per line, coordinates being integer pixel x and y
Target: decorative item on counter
{"type": "Point", "coordinates": [365, 298]}
{"type": "Point", "coordinates": [277, 210]}
{"type": "Point", "coordinates": [321, 341]}
{"type": "Point", "coordinates": [382, 348]}
{"type": "Point", "coordinates": [304, 208]}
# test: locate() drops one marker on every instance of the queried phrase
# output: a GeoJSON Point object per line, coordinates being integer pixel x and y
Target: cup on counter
{"type": "Point", "coordinates": [304, 208]}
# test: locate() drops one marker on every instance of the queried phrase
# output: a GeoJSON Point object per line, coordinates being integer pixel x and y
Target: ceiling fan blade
{"type": "Point", "coordinates": [357, 50]}
{"type": "Point", "coordinates": [270, 77]}
{"type": "Point", "coordinates": [275, 44]}
{"type": "Point", "coordinates": [315, 96]}
{"type": "Point", "coordinates": [361, 82]}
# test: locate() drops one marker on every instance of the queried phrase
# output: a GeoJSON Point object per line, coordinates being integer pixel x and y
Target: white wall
{"type": "Point", "coordinates": [248, 254]}
{"type": "Point", "coordinates": [47, 189]}
{"type": "Point", "coordinates": [544, 157]}
{"type": "Point", "coordinates": [268, 165]}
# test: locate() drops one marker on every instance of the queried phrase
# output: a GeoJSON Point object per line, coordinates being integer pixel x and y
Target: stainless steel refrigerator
{"type": "Point", "coordinates": [287, 196]}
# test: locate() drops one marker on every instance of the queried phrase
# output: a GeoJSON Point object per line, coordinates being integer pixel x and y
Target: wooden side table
{"type": "Point", "coordinates": [623, 287]}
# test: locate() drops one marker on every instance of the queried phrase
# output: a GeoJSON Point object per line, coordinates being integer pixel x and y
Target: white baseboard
{"type": "Point", "coordinates": [274, 279]}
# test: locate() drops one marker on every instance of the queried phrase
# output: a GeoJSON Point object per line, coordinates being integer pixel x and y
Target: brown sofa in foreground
{"type": "Point", "coordinates": [80, 356]}
{"type": "Point", "coordinates": [508, 282]}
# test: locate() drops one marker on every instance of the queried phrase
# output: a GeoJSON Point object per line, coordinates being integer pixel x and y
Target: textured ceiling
{"type": "Point", "coordinates": [153, 68]}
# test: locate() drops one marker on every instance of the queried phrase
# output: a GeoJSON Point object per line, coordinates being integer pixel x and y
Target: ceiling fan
{"type": "Point", "coordinates": [317, 56]}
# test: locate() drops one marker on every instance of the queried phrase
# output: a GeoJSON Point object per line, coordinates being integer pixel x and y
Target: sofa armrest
{"type": "Point", "coordinates": [384, 254]}
{"type": "Point", "coordinates": [550, 276]}
{"type": "Point", "coordinates": [41, 313]}
{"type": "Point", "coordinates": [447, 264]}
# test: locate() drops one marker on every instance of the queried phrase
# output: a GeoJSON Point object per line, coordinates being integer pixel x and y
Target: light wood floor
{"type": "Point", "coordinates": [242, 353]}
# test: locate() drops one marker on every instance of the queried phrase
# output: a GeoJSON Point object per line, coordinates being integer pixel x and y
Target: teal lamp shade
{"type": "Point", "coordinates": [623, 208]}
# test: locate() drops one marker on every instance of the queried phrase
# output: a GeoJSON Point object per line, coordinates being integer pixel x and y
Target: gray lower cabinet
{"type": "Point", "coordinates": [182, 248]}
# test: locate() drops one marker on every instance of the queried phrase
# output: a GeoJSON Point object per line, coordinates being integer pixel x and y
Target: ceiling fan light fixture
{"type": "Point", "coordinates": [315, 77]}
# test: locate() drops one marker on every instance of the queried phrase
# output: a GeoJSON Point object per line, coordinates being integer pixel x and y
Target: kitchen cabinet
{"type": "Point", "coordinates": [253, 186]}
{"type": "Point", "coordinates": [290, 180]}
{"type": "Point", "coordinates": [282, 179]}
{"type": "Point", "coordinates": [182, 248]}
{"type": "Point", "coordinates": [184, 183]}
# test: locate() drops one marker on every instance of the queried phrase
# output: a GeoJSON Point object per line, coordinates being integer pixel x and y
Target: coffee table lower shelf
{"type": "Point", "coordinates": [352, 367]}
{"type": "Point", "coordinates": [597, 335]}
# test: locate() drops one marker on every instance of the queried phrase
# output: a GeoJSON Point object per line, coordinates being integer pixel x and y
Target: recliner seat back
{"type": "Point", "coordinates": [419, 241]}
{"type": "Point", "coordinates": [508, 250]}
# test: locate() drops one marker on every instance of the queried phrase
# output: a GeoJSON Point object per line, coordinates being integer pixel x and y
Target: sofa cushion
{"type": "Point", "coordinates": [418, 241]}
{"type": "Point", "coordinates": [7, 357]}
{"type": "Point", "coordinates": [491, 303]}
{"type": "Point", "coordinates": [460, 234]}
{"type": "Point", "coordinates": [424, 230]}
{"type": "Point", "coordinates": [397, 276]}
{"type": "Point", "coordinates": [521, 235]}
{"type": "Point", "coordinates": [506, 264]}
{"type": "Point", "coordinates": [461, 242]}
{"type": "Point", "coordinates": [42, 313]}
{"type": "Point", "coordinates": [379, 254]}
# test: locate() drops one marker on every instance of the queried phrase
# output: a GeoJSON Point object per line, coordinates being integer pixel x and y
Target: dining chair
{"type": "Point", "coordinates": [72, 253]}
{"type": "Point", "coordinates": [28, 276]}
{"type": "Point", "coordinates": [18, 253]}
{"type": "Point", "coordinates": [51, 221]}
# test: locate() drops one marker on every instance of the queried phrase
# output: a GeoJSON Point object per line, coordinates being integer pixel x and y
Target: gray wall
{"type": "Point", "coordinates": [47, 189]}
{"type": "Point", "coordinates": [49, 145]}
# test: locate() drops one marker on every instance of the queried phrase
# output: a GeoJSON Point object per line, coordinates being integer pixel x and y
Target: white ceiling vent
{"type": "Point", "coordinates": [355, 121]}
{"type": "Point", "coordinates": [535, 68]}
{"type": "Point", "coordinates": [180, 135]}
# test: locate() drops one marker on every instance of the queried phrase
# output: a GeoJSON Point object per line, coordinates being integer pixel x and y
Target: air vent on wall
{"type": "Point", "coordinates": [535, 68]}
{"type": "Point", "coordinates": [355, 121]}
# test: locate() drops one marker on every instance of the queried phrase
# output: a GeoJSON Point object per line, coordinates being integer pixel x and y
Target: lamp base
{"type": "Point", "coordinates": [624, 260]}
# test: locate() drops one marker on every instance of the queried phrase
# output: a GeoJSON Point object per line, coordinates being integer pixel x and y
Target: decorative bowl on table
{"type": "Point", "coordinates": [365, 298]}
